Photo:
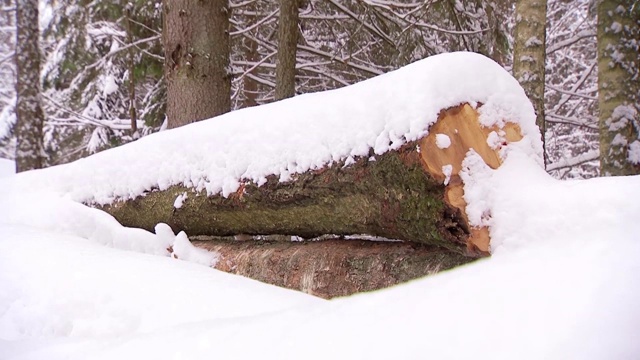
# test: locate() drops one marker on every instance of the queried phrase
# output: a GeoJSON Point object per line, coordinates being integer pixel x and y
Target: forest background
{"type": "Point", "coordinates": [105, 65]}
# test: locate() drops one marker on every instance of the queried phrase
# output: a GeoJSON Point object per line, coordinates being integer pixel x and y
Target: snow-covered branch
{"type": "Point", "coordinates": [574, 161]}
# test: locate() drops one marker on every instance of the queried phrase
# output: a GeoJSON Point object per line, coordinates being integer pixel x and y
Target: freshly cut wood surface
{"type": "Point", "coordinates": [461, 125]}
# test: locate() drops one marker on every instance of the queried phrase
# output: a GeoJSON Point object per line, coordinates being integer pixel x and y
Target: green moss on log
{"type": "Point", "coordinates": [392, 197]}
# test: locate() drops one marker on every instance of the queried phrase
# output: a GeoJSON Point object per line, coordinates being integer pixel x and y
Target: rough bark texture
{"type": "Point", "coordinates": [29, 113]}
{"type": "Point", "coordinates": [332, 267]}
{"type": "Point", "coordinates": [287, 44]}
{"type": "Point", "coordinates": [391, 197]}
{"type": "Point", "coordinates": [529, 54]}
{"type": "Point", "coordinates": [196, 43]}
{"type": "Point", "coordinates": [400, 195]}
{"type": "Point", "coordinates": [619, 87]}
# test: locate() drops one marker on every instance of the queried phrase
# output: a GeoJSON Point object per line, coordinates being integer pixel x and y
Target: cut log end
{"type": "Point", "coordinates": [443, 150]}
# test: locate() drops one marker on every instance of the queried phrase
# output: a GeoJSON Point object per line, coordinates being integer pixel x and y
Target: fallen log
{"type": "Point", "coordinates": [332, 267]}
{"type": "Point", "coordinates": [413, 193]}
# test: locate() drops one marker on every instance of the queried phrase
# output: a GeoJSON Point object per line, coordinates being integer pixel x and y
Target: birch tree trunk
{"type": "Point", "coordinates": [29, 113]}
{"type": "Point", "coordinates": [287, 44]}
{"type": "Point", "coordinates": [529, 55]}
{"type": "Point", "coordinates": [196, 45]}
{"type": "Point", "coordinates": [618, 85]}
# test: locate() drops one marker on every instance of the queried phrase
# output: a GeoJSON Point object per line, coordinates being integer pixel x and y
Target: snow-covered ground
{"type": "Point", "coordinates": [562, 282]}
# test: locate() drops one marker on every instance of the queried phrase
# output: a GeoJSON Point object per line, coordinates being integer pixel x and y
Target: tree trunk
{"type": "Point", "coordinates": [529, 55]}
{"type": "Point", "coordinates": [332, 267]}
{"type": "Point", "coordinates": [287, 44]}
{"type": "Point", "coordinates": [29, 113]}
{"type": "Point", "coordinates": [398, 195]}
{"type": "Point", "coordinates": [196, 43]}
{"type": "Point", "coordinates": [619, 87]}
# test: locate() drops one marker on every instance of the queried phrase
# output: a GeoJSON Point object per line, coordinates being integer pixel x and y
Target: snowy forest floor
{"type": "Point", "coordinates": [563, 286]}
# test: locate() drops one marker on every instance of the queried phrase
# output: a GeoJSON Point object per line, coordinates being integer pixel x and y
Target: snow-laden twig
{"type": "Point", "coordinates": [568, 42]}
{"type": "Point", "coordinates": [572, 93]}
{"type": "Point", "coordinates": [258, 23]}
{"type": "Point", "coordinates": [575, 87]}
{"type": "Point", "coordinates": [574, 161]}
{"type": "Point", "coordinates": [559, 119]}
{"type": "Point", "coordinates": [368, 26]}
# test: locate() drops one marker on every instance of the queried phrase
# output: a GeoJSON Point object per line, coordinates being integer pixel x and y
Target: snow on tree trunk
{"type": "Point", "coordinates": [196, 43]}
{"type": "Point", "coordinates": [619, 89]}
{"type": "Point", "coordinates": [29, 113]}
{"type": "Point", "coordinates": [287, 44]}
{"type": "Point", "coordinates": [529, 54]}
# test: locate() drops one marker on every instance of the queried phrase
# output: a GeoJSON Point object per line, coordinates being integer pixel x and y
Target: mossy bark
{"type": "Point", "coordinates": [392, 197]}
{"type": "Point", "coordinates": [619, 87]}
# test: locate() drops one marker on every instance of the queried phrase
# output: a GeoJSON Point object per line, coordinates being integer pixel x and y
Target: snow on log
{"type": "Point", "coordinates": [382, 157]}
{"type": "Point", "coordinates": [400, 194]}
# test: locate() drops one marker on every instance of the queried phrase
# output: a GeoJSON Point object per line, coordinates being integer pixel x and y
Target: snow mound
{"type": "Point", "coordinates": [50, 212]}
{"type": "Point", "coordinates": [7, 168]}
{"type": "Point", "coordinates": [298, 134]}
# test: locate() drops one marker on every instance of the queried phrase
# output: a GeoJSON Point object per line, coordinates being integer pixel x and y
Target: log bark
{"type": "Point", "coordinates": [398, 195]}
{"type": "Point", "coordinates": [331, 267]}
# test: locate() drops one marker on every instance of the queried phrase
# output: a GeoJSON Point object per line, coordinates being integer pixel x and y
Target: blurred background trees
{"type": "Point", "coordinates": [103, 62]}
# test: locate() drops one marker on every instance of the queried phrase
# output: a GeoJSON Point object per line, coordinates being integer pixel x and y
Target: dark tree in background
{"type": "Point", "coordinates": [29, 114]}
{"type": "Point", "coordinates": [287, 44]}
{"type": "Point", "coordinates": [196, 45]}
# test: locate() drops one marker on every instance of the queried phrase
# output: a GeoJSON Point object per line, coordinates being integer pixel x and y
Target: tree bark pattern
{"type": "Point", "coordinates": [196, 42]}
{"type": "Point", "coordinates": [529, 54]}
{"type": "Point", "coordinates": [287, 44]}
{"type": "Point", "coordinates": [29, 113]}
{"type": "Point", "coordinates": [619, 86]}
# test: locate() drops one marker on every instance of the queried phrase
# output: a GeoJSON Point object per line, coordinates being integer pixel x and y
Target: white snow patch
{"type": "Point", "coordinates": [621, 116]}
{"type": "Point", "coordinates": [634, 152]}
{"type": "Point", "coordinates": [180, 199]}
{"type": "Point", "coordinates": [184, 250]}
{"type": "Point", "coordinates": [494, 140]}
{"type": "Point", "coordinates": [7, 168]}
{"type": "Point", "coordinates": [616, 27]}
{"type": "Point", "coordinates": [443, 141]}
{"type": "Point", "coordinates": [109, 85]}
{"type": "Point", "coordinates": [447, 170]}
{"type": "Point", "coordinates": [619, 140]}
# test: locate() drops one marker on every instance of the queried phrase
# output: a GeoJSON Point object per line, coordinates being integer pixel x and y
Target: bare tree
{"type": "Point", "coordinates": [529, 54]}
{"type": "Point", "coordinates": [29, 113]}
{"type": "Point", "coordinates": [196, 43]}
{"type": "Point", "coordinates": [618, 83]}
{"type": "Point", "coordinates": [287, 44]}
